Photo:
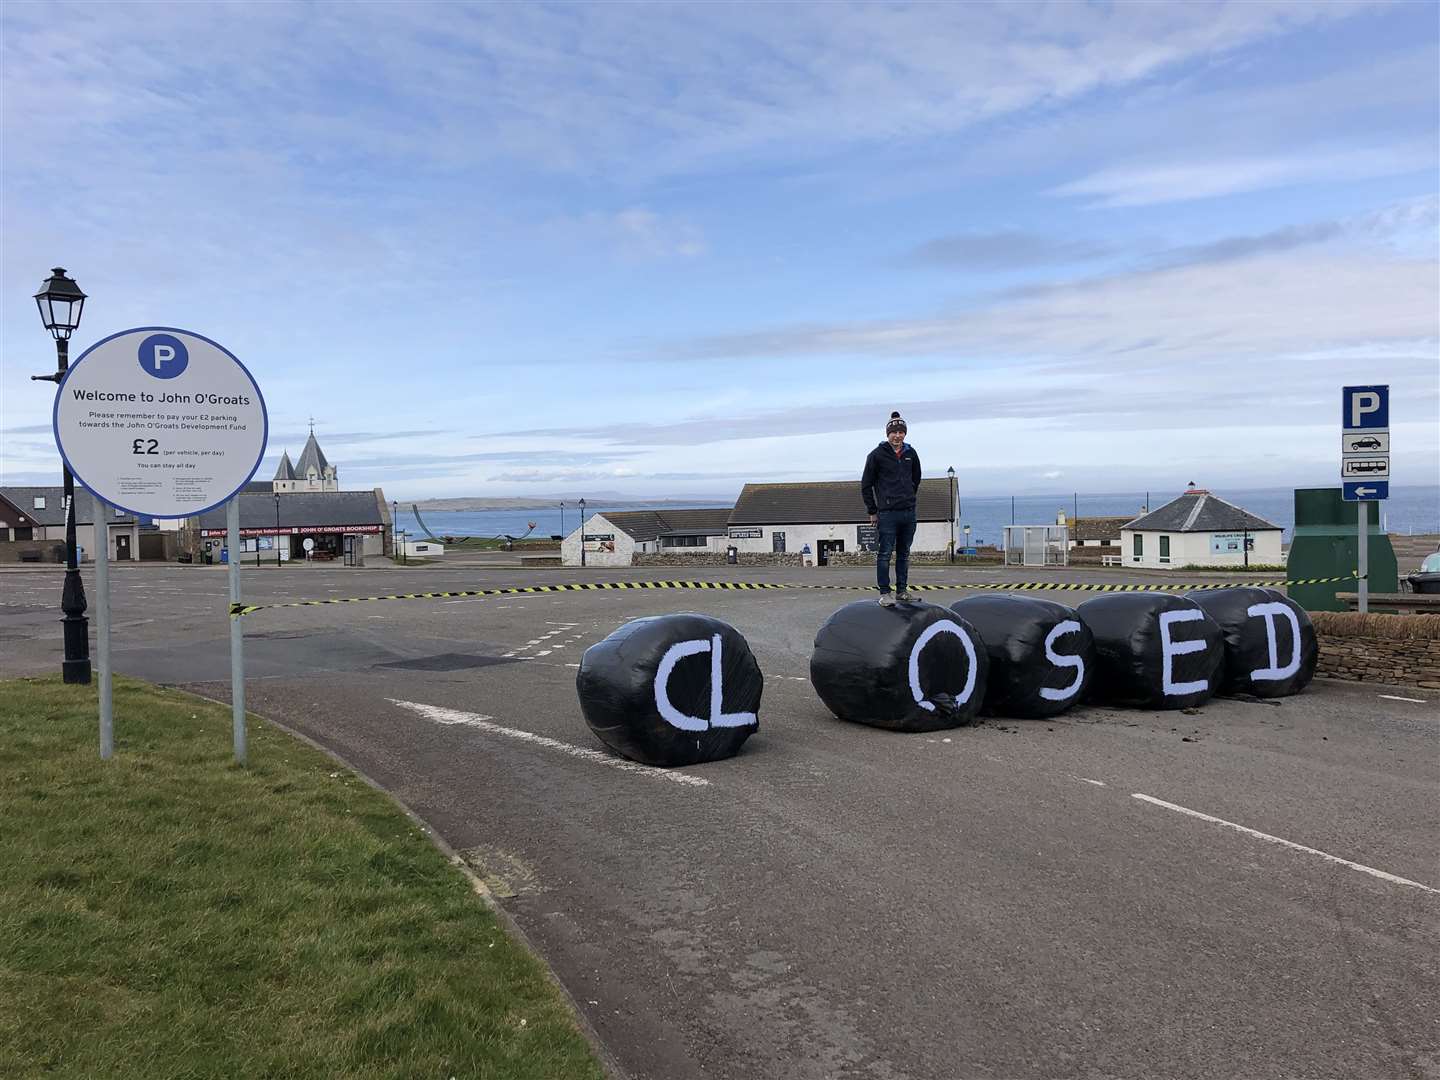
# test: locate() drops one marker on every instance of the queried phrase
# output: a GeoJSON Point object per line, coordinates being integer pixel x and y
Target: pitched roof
{"type": "Point", "coordinates": [650, 524]}
{"type": "Point", "coordinates": [286, 471]}
{"type": "Point", "coordinates": [23, 500]}
{"type": "Point", "coordinates": [1097, 528]}
{"type": "Point", "coordinates": [1199, 511]}
{"type": "Point", "coordinates": [827, 502]}
{"type": "Point", "coordinates": [312, 455]}
{"type": "Point", "coordinates": [299, 508]}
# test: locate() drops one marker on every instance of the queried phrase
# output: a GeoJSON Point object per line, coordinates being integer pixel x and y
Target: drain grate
{"type": "Point", "coordinates": [447, 662]}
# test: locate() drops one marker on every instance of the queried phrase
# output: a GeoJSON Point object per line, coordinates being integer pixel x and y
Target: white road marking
{"type": "Point", "coordinates": [1416, 700]}
{"type": "Point", "coordinates": [485, 723]}
{"type": "Point", "coordinates": [572, 665]}
{"type": "Point", "coordinates": [544, 652]}
{"type": "Point", "coordinates": [1087, 780]}
{"type": "Point", "coordinates": [1284, 843]}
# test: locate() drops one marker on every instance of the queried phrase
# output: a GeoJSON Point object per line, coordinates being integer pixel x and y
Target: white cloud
{"type": "Point", "coordinates": [1144, 185]}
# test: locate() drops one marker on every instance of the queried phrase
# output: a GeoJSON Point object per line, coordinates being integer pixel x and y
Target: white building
{"type": "Point", "coordinates": [1200, 529]}
{"type": "Point", "coordinates": [828, 517]}
{"type": "Point", "coordinates": [616, 537]}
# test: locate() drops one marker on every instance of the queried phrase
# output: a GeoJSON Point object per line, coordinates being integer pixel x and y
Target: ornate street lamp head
{"type": "Point", "coordinates": [60, 302]}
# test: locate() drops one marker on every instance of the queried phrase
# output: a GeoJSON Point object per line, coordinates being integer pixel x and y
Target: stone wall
{"type": "Point", "coordinates": [987, 557]}
{"type": "Point", "coordinates": [717, 558]}
{"type": "Point", "coordinates": [49, 551]}
{"type": "Point", "coordinates": [1397, 649]}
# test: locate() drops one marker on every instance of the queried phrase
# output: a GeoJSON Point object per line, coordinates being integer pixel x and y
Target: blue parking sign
{"type": "Point", "coordinates": [1364, 407]}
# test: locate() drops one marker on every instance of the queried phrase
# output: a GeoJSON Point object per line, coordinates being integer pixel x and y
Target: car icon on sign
{"type": "Point", "coordinates": [1365, 444]}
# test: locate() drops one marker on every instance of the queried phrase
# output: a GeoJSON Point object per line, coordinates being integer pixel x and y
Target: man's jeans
{"type": "Point", "coordinates": [897, 531]}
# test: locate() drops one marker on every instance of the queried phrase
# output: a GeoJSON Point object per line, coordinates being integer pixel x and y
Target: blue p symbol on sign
{"type": "Point", "coordinates": [163, 356]}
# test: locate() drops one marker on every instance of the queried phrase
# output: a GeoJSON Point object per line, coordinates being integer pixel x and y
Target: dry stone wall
{"type": "Point", "coordinates": [1399, 649]}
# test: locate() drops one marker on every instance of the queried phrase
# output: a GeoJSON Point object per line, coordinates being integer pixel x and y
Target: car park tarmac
{"type": "Point", "coordinates": [1248, 888]}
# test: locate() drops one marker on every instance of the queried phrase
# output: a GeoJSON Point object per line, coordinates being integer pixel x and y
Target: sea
{"type": "Point", "coordinates": [1408, 510]}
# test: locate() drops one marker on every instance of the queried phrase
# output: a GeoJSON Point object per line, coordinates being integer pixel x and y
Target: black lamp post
{"type": "Point", "coordinates": [277, 528]}
{"type": "Point", "coordinates": [950, 472]}
{"type": "Point", "coordinates": [582, 532]}
{"type": "Point", "coordinates": [60, 302]}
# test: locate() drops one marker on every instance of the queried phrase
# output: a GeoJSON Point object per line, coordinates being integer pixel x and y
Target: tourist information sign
{"type": "Point", "coordinates": [160, 422]}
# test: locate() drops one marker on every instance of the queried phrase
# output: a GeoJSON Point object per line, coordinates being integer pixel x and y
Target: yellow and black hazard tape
{"type": "Point", "coordinates": [237, 610]}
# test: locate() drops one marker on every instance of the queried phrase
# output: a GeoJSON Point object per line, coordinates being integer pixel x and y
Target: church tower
{"type": "Point", "coordinates": [311, 473]}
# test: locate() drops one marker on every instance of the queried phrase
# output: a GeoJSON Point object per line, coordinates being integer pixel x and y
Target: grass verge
{"type": "Point", "coordinates": [1253, 568]}
{"type": "Point", "coordinates": [167, 914]}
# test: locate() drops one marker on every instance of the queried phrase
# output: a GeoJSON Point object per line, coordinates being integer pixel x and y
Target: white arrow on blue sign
{"type": "Point", "coordinates": [1364, 490]}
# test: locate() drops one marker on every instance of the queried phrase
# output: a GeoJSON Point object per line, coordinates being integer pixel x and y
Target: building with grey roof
{"type": "Point", "coordinates": [32, 525]}
{"type": "Point", "coordinates": [336, 523]}
{"type": "Point", "coordinates": [1200, 529]}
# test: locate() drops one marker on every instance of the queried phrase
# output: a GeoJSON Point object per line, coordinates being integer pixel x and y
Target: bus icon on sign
{"type": "Point", "coordinates": [1375, 468]}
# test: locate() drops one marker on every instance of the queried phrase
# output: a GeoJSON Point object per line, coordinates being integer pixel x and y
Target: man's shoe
{"type": "Point", "coordinates": [904, 596]}
{"type": "Point", "coordinates": [886, 600]}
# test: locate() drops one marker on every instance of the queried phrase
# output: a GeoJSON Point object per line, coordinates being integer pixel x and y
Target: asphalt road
{"type": "Point", "coordinates": [839, 901]}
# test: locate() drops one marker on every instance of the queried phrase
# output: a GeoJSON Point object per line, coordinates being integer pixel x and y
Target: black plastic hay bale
{"type": "Point", "coordinates": [911, 667]}
{"type": "Point", "coordinates": [1270, 644]}
{"type": "Point", "coordinates": [1042, 656]}
{"type": "Point", "coordinates": [650, 690]}
{"type": "Point", "coordinates": [1152, 650]}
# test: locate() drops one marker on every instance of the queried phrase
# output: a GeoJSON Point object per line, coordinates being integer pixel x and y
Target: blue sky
{"type": "Point", "coordinates": [663, 250]}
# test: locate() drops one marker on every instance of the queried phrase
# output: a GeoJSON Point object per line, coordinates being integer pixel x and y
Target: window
{"type": "Point", "coordinates": [22, 532]}
{"type": "Point", "coordinates": [1164, 549]}
{"type": "Point", "coordinates": [1139, 547]}
{"type": "Point", "coordinates": [682, 541]}
{"type": "Point", "coordinates": [39, 502]}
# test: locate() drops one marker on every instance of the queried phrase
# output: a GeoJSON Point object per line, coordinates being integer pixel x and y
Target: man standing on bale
{"type": "Point", "coordinates": [888, 486]}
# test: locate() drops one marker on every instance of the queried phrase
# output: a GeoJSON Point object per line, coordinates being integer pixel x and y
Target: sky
{"type": "Point", "coordinates": [663, 250]}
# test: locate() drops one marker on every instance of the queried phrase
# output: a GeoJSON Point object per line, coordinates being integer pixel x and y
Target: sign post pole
{"type": "Point", "coordinates": [237, 632]}
{"type": "Point", "coordinates": [102, 626]}
{"type": "Point", "coordinates": [1363, 571]}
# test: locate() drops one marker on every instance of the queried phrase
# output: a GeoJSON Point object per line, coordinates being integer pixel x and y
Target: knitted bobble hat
{"type": "Point", "coordinates": [897, 423]}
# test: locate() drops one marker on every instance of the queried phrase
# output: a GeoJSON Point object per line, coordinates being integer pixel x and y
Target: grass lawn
{"type": "Point", "coordinates": [167, 914]}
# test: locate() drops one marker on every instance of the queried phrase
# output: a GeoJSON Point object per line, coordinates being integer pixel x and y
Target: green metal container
{"type": "Point", "coordinates": [1326, 544]}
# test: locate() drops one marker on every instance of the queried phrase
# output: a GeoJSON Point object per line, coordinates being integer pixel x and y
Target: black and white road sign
{"type": "Point", "coordinates": [160, 422]}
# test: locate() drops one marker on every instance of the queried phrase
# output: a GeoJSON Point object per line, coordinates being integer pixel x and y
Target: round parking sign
{"type": "Point", "coordinates": [160, 422]}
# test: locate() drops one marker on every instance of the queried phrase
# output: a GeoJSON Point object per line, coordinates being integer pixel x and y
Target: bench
{"type": "Point", "coordinates": [30, 556]}
{"type": "Point", "coordinates": [1110, 560]}
{"type": "Point", "coordinates": [1415, 602]}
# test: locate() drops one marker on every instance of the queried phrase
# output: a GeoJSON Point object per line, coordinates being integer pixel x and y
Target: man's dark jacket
{"type": "Point", "coordinates": [890, 480]}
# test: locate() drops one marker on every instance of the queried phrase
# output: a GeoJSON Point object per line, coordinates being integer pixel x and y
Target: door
{"type": "Point", "coordinates": [825, 548]}
{"type": "Point", "coordinates": [122, 546]}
